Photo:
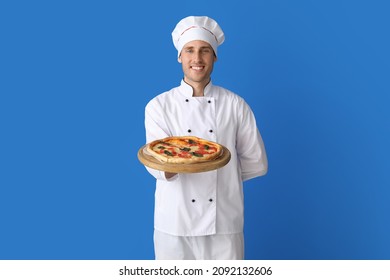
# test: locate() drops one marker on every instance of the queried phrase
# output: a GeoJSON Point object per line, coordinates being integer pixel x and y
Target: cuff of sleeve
{"type": "Point", "coordinates": [253, 175]}
{"type": "Point", "coordinates": [173, 178]}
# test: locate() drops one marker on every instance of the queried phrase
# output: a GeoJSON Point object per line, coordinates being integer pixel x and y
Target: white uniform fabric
{"type": "Point", "coordinates": [206, 203]}
{"type": "Point", "coordinates": [209, 247]}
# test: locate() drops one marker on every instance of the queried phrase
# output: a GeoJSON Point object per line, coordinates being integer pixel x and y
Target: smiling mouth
{"type": "Point", "coordinates": [197, 68]}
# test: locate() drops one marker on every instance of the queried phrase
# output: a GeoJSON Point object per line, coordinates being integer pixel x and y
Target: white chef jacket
{"type": "Point", "coordinates": [198, 204]}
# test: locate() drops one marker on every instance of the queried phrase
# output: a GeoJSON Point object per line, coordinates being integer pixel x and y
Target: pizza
{"type": "Point", "coordinates": [184, 149]}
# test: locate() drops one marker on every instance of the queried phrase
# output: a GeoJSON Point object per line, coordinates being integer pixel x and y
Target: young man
{"type": "Point", "coordinates": [200, 215]}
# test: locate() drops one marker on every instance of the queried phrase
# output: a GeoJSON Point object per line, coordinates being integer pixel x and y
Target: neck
{"type": "Point", "coordinates": [198, 88]}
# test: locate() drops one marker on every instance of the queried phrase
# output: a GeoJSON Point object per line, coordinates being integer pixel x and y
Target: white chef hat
{"type": "Point", "coordinates": [197, 28]}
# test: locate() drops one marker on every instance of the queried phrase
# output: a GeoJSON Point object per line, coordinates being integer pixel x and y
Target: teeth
{"type": "Point", "coordinates": [197, 68]}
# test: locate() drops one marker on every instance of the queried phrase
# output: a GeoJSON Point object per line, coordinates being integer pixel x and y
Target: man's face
{"type": "Point", "coordinates": [197, 59]}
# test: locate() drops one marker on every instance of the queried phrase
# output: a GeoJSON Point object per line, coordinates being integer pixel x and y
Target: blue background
{"type": "Point", "coordinates": [76, 76]}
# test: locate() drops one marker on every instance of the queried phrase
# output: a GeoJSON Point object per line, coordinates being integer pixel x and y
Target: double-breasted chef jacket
{"type": "Point", "coordinates": [197, 204]}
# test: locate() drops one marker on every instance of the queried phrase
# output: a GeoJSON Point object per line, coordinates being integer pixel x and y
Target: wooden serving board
{"type": "Point", "coordinates": [151, 162]}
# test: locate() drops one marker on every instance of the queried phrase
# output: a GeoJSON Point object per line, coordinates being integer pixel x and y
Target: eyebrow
{"type": "Point", "coordinates": [203, 47]}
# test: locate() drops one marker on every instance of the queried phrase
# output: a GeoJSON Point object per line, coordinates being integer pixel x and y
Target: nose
{"type": "Point", "coordinates": [197, 57]}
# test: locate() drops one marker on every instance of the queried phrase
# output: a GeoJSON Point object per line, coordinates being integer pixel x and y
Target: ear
{"type": "Point", "coordinates": [179, 58]}
{"type": "Point", "coordinates": [215, 58]}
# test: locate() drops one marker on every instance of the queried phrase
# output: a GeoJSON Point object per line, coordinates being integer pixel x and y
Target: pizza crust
{"type": "Point", "coordinates": [184, 149]}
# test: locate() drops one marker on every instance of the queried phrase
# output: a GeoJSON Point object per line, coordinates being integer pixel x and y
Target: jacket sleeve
{"type": "Point", "coordinates": [156, 128]}
{"type": "Point", "coordinates": [250, 147]}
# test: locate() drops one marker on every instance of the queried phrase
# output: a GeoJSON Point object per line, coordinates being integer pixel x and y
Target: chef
{"type": "Point", "coordinates": [200, 215]}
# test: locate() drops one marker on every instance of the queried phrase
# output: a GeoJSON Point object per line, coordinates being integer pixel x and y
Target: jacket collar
{"type": "Point", "coordinates": [187, 90]}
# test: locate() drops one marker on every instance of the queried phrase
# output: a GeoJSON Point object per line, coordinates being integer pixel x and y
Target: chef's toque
{"type": "Point", "coordinates": [197, 28]}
